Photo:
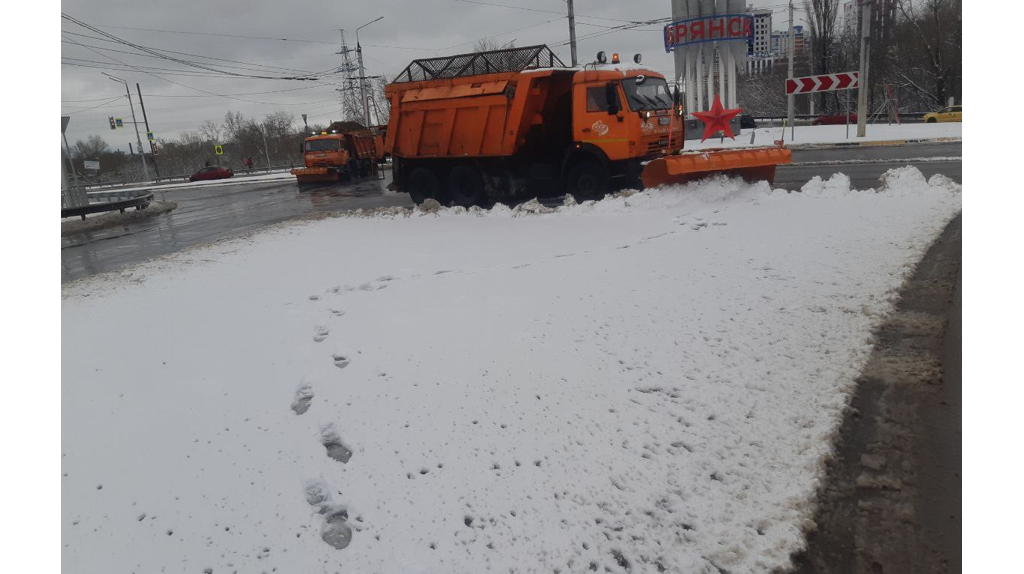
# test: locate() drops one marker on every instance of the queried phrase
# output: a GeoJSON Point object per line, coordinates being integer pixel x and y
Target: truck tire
{"type": "Point", "coordinates": [423, 185]}
{"type": "Point", "coordinates": [466, 186]}
{"type": "Point", "coordinates": [587, 179]}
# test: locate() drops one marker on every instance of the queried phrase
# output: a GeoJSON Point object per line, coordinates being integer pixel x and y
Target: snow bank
{"type": "Point", "coordinates": [645, 383]}
{"type": "Point", "coordinates": [835, 134]}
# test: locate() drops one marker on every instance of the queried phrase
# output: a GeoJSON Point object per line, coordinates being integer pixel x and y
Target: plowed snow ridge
{"type": "Point", "coordinates": [644, 383]}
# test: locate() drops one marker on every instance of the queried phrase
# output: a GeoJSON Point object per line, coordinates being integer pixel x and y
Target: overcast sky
{"type": "Point", "coordinates": [410, 29]}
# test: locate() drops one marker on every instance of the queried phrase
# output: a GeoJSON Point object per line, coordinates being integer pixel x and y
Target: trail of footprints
{"type": "Point", "coordinates": [334, 529]}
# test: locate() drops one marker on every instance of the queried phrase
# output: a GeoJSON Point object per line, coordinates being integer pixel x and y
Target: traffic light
{"type": "Point", "coordinates": [153, 145]}
{"type": "Point", "coordinates": [113, 126]}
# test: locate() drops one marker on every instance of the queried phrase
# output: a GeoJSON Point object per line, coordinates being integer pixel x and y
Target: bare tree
{"type": "Point", "coordinates": [210, 130]}
{"type": "Point", "coordinates": [930, 42]}
{"type": "Point", "coordinates": [487, 44]}
{"type": "Point", "coordinates": [822, 19]}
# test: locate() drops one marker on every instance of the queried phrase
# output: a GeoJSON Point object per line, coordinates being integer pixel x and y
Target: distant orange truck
{"type": "Point", "coordinates": [337, 156]}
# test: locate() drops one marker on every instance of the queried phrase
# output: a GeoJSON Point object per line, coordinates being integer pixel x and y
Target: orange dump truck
{"type": "Point", "coordinates": [336, 156]}
{"type": "Point", "coordinates": [479, 128]}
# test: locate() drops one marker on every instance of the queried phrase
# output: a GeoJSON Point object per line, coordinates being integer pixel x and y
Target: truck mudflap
{"type": "Point", "coordinates": [755, 164]}
{"type": "Point", "coordinates": [314, 174]}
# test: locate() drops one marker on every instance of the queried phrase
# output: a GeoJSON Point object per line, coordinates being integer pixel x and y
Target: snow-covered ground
{"type": "Point", "coordinates": [835, 134]}
{"type": "Point", "coordinates": [646, 383]}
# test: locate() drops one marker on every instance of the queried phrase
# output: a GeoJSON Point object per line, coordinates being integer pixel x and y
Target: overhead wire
{"type": "Point", "coordinates": [181, 61]}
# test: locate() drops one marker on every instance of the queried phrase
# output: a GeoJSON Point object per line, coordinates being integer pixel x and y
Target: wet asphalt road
{"type": "Point", "coordinates": [205, 214]}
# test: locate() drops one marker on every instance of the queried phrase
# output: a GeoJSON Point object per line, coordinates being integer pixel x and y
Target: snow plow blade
{"type": "Point", "coordinates": [750, 164]}
{"type": "Point", "coordinates": [315, 174]}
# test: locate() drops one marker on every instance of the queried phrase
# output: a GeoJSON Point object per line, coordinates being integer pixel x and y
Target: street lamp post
{"type": "Point", "coordinates": [128, 90]}
{"type": "Point", "coordinates": [362, 75]}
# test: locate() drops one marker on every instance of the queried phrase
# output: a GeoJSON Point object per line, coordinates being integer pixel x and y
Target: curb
{"type": "Point", "coordinates": [879, 143]}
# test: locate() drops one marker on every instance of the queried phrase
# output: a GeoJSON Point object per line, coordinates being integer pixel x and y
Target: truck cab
{"type": "Point", "coordinates": [325, 150]}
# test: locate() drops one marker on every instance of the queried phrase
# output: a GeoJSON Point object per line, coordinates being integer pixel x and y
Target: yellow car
{"type": "Point", "coordinates": [947, 114]}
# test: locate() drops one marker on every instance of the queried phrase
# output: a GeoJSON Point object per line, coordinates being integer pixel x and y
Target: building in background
{"type": "Point", "coordinates": [780, 43]}
{"type": "Point", "coordinates": [761, 42]}
{"type": "Point", "coordinates": [759, 51]}
{"type": "Point", "coordinates": [851, 16]}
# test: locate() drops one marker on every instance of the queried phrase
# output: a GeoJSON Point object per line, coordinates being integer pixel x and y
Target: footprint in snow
{"type": "Point", "coordinates": [341, 361]}
{"type": "Point", "coordinates": [320, 333]}
{"type": "Point", "coordinates": [303, 398]}
{"type": "Point", "coordinates": [331, 440]}
{"type": "Point", "coordinates": [335, 531]}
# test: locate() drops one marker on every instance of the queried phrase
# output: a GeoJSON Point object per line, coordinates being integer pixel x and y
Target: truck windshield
{"type": "Point", "coordinates": [651, 94]}
{"type": "Point", "coordinates": [323, 145]}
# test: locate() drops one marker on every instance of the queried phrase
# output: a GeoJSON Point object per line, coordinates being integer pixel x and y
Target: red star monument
{"type": "Point", "coordinates": [717, 119]}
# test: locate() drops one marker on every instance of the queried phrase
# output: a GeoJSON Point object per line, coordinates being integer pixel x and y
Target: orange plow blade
{"type": "Point", "coordinates": [314, 174]}
{"type": "Point", "coordinates": [751, 164]}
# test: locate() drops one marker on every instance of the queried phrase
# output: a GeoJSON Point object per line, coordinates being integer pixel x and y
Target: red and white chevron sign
{"type": "Point", "coordinates": [823, 83]}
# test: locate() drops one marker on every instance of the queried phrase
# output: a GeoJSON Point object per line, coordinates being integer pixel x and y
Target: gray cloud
{"type": "Point", "coordinates": [410, 30]}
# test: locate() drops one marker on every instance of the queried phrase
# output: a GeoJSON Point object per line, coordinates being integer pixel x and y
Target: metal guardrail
{"type": "Point", "coordinates": [908, 117]}
{"type": "Point", "coordinates": [103, 201]}
{"type": "Point", "coordinates": [183, 177]}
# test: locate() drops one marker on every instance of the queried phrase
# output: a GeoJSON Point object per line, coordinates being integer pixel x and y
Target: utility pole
{"type": "Point", "coordinates": [146, 121]}
{"type": "Point", "coordinates": [128, 90]}
{"type": "Point", "coordinates": [862, 89]}
{"type": "Point", "coordinates": [362, 85]}
{"type": "Point", "coordinates": [362, 75]}
{"type": "Point", "coordinates": [790, 111]}
{"type": "Point", "coordinates": [347, 96]}
{"type": "Point", "coordinates": [572, 33]}
{"type": "Point", "coordinates": [266, 150]}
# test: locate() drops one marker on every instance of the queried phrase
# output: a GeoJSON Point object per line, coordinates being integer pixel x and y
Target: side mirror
{"type": "Point", "coordinates": [611, 97]}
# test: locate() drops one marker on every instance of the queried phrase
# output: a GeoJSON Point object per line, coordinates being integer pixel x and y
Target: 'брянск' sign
{"type": "Point", "coordinates": [717, 28]}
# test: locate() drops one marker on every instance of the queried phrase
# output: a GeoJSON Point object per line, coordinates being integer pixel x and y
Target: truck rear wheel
{"type": "Point", "coordinates": [423, 185]}
{"type": "Point", "coordinates": [466, 186]}
{"type": "Point", "coordinates": [587, 180]}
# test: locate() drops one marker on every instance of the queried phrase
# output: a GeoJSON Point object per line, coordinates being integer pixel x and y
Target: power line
{"type": "Point", "coordinates": [159, 54]}
{"type": "Point", "coordinates": [172, 81]}
{"type": "Point", "coordinates": [220, 34]}
{"type": "Point", "coordinates": [94, 107]}
{"type": "Point", "coordinates": [246, 65]}
{"type": "Point", "coordinates": [540, 10]}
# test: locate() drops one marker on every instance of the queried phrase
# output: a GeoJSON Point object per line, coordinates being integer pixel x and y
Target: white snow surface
{"type": "Point", "coordinates": [835, 134]}
{"type": "Point", "coordinates": [642, 383]}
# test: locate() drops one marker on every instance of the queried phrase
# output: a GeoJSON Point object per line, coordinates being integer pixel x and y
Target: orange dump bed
{"type": "Point", "coordinates": [362, 146]}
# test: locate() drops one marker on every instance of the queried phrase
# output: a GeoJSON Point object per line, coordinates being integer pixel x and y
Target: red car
{"type": "Point", "coordinates": [211, 173]}
{"type": "Point", "coordinates": [834, 120]}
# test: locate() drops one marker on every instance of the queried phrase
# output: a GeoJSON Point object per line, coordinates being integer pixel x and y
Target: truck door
{"type": "Point", "coordinates": [594, 122]}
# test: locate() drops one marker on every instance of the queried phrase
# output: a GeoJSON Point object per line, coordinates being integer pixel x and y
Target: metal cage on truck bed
{"type": "Point", "coordinates": [492, 62]}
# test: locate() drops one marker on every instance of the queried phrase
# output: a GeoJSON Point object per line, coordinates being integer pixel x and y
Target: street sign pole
{"type": "Point", "coordinates": [789, 99]}
{"type": "Point", "coordinates": [862, 90]}
{"type": "Point", "coordinates": [847, 114]}
{"type": "Point", "coordinates": [146, 121]}
{"type": "Point", "coordinates": [64, 126]}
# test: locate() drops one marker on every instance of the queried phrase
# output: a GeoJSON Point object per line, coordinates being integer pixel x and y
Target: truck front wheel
{"type": "Point", "coordinates": [465, 186]}
{"type": "Point", "coordinates": [423, 185]}
{"type": "Point", "coordinates": [587, 180]}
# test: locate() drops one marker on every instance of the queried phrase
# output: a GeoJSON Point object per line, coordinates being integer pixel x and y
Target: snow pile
{"type": "Point", "coordinates": [646, 383]}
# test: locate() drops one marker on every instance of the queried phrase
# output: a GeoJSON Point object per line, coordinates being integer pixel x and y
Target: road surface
{"type": "Point", "coordinates": [206, 214]}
